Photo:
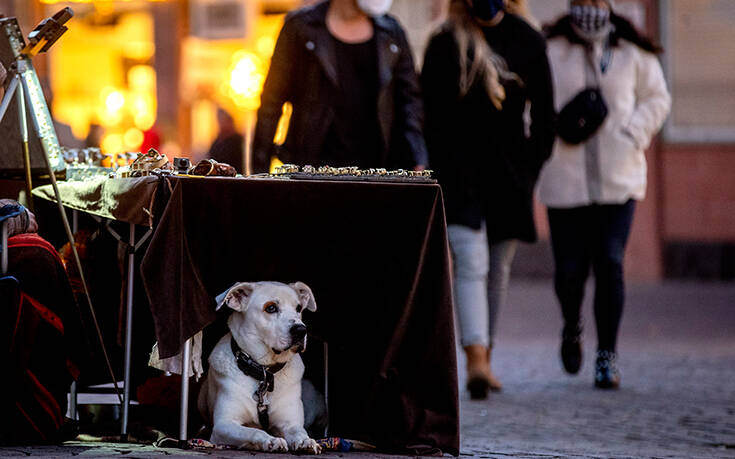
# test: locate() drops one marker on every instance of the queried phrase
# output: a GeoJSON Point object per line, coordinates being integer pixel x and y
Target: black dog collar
{"type": "Point", "coordinates": [250, 367]}
{"type": "Point", "coordinates": [261, 373]}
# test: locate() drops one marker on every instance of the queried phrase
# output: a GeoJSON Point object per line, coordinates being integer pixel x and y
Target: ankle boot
{"type": "Point", "coordinates": [607, 375]}
{"type": "Point", "coordinates": [478, 369]}
{"type": "Point", "coordinates": [493, 381]}
{"type": "Point", "coordinates": [571, 348]}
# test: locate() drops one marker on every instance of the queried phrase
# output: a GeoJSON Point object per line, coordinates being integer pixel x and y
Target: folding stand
{"type": "Point", "coordinates": [133, 247]}
{"type": "Point", "coordinates": [4, 248]}
{"type": "Point", "coordinates": [26, 87]}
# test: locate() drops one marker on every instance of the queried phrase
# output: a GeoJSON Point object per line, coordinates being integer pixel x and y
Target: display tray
{"type": "Point", "coordinates": [354, 178]}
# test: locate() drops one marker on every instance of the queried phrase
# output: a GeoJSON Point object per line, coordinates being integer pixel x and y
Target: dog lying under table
{"type": "Point", "coordinates": [252, 393]}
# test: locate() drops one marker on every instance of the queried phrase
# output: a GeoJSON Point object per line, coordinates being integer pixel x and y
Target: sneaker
{"type": "Point", "coordinates": [571, 349]}
{"type": "Point", "coordinates": [607, 375]}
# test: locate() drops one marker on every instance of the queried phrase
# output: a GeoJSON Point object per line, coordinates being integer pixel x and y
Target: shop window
{"type": "Point", "coordinates": [699, 39]}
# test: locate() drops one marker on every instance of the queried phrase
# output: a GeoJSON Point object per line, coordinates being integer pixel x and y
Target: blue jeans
{"type": "Point", "coordinates": [481, 276]}
{"type": "Point", "coordinates": [595, 236]}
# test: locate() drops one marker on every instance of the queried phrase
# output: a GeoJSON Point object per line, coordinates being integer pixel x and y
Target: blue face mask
{"type": "Point", "coordinates": [486, 10]}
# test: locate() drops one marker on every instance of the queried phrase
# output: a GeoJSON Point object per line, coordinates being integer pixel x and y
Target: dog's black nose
{"type": "Point", "coordinates": [298, 332]}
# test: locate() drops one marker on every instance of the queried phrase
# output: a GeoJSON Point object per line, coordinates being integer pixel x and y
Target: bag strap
{"type": "Point", "coordinates": [599, 67]}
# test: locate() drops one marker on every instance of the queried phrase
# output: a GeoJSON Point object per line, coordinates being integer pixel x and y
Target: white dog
{"type": "Point", "coordinates": [252, 393]}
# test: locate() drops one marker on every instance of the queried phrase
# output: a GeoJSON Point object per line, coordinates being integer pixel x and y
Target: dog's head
{"type": "Point", "coordinates": [268, 315]}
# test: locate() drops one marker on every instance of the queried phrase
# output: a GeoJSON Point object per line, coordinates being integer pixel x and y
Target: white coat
{"type": "Point", "coordinates": [638, 102]}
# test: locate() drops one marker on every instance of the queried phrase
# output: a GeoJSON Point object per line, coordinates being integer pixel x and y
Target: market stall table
{"type": "Point", "coordinates": [376, 257]}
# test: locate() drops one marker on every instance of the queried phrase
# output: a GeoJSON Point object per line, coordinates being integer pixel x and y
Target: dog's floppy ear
{"type": "Point", "coordinates": [306, 297]}
{"type": "Point", "coordinates": [236, 297]}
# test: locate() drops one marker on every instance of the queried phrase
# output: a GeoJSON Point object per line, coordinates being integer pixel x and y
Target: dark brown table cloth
{"type": "Point", "coordinates": [377, 259]}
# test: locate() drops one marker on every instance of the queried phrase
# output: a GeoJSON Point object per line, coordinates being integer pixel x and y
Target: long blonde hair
{"type": "Point", "coordinates": [485, 63]}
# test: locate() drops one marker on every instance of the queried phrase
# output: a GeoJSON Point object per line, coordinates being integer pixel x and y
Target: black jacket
{"type": "Point", "coordinates": [484, 159]}
{"type": "Point", "coordinates": [304, 72]}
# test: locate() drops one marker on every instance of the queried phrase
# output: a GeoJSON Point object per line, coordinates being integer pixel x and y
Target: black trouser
{"type": "Point", "coordinates": [591, 235]}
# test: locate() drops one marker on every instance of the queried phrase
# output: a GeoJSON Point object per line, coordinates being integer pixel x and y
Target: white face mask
{"type": "Point", "coordinates": [374, 7]}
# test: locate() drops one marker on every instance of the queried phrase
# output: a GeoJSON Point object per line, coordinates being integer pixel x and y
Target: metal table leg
{"type": "Point", "coordinates": [128, 333]}
{"type": "Point", "coordinates": [184, 407]}
{"type": "Point", "coordinates": [326, 383]}
{"type": "Point", "coordinates": [73, 388]}
{"type": "Point", "coordinates": [4, 255]}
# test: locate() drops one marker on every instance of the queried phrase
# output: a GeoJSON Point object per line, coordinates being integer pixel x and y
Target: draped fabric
{"type": "Point", "coordinates": [376, 257]}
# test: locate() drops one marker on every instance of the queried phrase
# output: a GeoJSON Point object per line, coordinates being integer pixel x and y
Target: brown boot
{"type": "Point", "coordinates": [494, 382]}
{"type": "Point", "coordinates": [478, 371]}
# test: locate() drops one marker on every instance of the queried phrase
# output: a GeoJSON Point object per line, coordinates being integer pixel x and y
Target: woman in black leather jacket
{"type": "Point", "coordinates": [355, 102]}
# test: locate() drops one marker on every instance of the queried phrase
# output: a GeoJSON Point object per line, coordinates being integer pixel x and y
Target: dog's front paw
{"type": "Point", "coordinates": [307, 445]}
{"type": "Point", "coordinates": [274, 444]}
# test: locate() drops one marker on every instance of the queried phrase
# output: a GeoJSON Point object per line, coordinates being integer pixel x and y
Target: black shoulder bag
{"type": "Point", "coordinates": [582, 116]}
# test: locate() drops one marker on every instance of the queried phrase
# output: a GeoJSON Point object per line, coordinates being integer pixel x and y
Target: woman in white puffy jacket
{"type": "Point", "coordinates": [590, 189]}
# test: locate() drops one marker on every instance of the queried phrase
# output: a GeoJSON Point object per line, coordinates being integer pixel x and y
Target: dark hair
{"type": "Point", "coordinates": [623, 29]}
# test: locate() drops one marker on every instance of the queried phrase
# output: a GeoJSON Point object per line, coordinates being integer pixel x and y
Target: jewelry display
{"type": "Point", "coordinates": [352, 173]}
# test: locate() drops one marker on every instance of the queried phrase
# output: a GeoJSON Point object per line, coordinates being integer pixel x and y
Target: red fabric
{"type": "Point", "coordinates": [45, 313]}
{"type": "Point", "coordinates": [30, 421]}
{"type": "Point", "coordinates": [46, 400]}
{"type": "Point", "coordinates": [42, 341]}
{"type": "Point", "coordinates": [151, 139]}
{"type": "Point", "coordinates": [33, 240]}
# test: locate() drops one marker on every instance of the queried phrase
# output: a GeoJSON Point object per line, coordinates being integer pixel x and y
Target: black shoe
{"type": "Point", "coordinates": [607, 375]}
{"type": "Point", "coordinates": [478, 387]}
{"type": "Point", "coordinates": [571, 349]}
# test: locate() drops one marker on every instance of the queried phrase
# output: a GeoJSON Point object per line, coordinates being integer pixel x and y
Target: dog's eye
{"type": "Point", "coordinates": [298, 308]}
{"type": "Point", "coordinates": [270, 308]}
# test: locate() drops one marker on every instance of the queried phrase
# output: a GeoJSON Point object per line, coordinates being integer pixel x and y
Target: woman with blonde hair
{"type": "Point", "coordinates": [489, 117]}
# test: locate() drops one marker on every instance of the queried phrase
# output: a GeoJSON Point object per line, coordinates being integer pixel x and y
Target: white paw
{"type": "Point", "coordinates": [307, 445]}
{"type": "Point", "coordinates": [275, 444]}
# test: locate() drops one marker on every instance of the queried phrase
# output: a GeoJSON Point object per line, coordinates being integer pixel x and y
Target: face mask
{"type": "Point", "coordinates": [485, 10]}
{"type": "Point", "coordinates": [590, 19]}
{"type": "Point", "coordinates": [374, 7]}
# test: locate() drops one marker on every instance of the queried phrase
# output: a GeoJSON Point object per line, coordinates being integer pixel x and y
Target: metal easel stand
{"type": "Point", "coordinates": [19, 86]}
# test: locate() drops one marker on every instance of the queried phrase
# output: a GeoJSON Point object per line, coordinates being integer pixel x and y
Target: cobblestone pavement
{"type": "Point", "coordinates": [677, 399]}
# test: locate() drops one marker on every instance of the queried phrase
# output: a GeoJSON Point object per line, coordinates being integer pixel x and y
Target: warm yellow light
{"type": "Point", "coordinates": [142, 78]}
{"type": "Point", "coordinates": [144, 121]}
{"type": "Point", "coordinates": [283, 123]}
{"type": "Point", "coordinates": [246, 79]}
{"type": "Point", "coordinates": [265, 45]}
{"type": "Point", "coordinates": [115, 101]}
{"type": "Point", "coordinates": [133, 138]}
{"type": "Point", "coordinates": [107, 118]}
{"type": "Point", "coordinates": [141, 103]}
{"type": "Point", "coordinates": [275, 164]}
{"type": "Point", "coordinates": [112, 143]}
{"type": "Point", "coordinates": [101, 2]}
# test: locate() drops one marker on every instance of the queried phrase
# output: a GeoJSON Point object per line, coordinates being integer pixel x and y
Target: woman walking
{"type": "Point", "coordinates": [591, 186]}
{"type": "Point", "coordinates": [489, 116]}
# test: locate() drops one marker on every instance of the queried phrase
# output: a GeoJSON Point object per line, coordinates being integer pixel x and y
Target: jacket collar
{"type": "Point", "coordinates": [317, 15]}
{"type": "Point", "coordinates": [322, 43]}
